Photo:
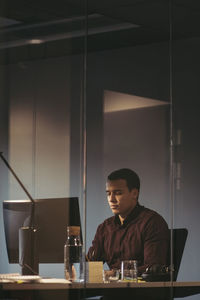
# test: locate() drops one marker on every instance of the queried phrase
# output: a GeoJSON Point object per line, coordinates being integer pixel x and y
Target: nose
{"type": "Point", "coordinates": [112, 197]}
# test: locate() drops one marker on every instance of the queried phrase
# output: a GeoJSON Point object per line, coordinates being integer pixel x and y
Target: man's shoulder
{"type": "Point", "coordinates": [150, 214]}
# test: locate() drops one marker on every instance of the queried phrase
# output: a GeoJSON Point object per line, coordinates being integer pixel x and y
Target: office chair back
{"type": "Point", "coordinates": [179, 237]}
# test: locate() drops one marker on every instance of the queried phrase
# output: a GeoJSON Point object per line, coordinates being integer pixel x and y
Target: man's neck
{"type": "Point", "coordinates": [123, 217]}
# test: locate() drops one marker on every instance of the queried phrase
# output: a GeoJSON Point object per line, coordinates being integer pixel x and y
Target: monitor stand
{"type": "Point", "coordinates": [28, 251]}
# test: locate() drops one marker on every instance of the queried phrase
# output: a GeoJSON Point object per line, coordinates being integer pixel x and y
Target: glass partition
{"type": "Point", "coordinates": [89, 87]}
{"type": "Point", "coordinates": [185, 75]}
{"type": "Point", "coordinates": [129, 104]}
{"type": "Point", "coordinates": [42, 62]}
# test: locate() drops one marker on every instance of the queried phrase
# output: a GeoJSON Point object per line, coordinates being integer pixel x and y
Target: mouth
{"type": "Point", "coordinates": [114, 207]}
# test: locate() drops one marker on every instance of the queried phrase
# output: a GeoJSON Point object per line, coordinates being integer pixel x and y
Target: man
{"type": "Point", "coordinates": [134, 232]}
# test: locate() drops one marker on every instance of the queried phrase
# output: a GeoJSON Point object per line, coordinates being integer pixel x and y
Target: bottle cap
{"type": "Point", "coordinates": [73, 230]}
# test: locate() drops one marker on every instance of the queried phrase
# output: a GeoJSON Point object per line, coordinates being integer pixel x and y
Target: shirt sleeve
{"type": "Point", "coordinates": [156, 242]}
{"type": "Point", "coordinates": [95, 252]}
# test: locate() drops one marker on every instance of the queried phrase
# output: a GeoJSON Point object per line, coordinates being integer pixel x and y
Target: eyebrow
{"type": "Point", "coordinates": [117, 190]}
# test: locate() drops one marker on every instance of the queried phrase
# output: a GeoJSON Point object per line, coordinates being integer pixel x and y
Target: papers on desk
{"type": "Point", "coordinates": [17, 278]}
{"type": "Point", "coordinates": [54, 280]}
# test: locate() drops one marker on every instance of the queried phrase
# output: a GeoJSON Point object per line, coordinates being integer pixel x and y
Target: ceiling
{"type": "Point", "coordinates": [37, 29]}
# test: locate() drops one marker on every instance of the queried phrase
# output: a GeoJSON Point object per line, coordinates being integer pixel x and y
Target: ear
{"type": "Point", "coordinates": [135, 193]}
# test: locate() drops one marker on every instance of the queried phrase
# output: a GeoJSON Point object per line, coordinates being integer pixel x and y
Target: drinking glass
{"type": "Point", "coordinates": [129, 270]}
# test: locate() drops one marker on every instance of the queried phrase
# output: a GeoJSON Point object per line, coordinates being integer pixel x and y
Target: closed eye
{"type": "Point", "coordinates": [117, 193]}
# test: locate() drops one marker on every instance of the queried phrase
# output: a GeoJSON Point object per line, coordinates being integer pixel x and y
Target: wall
{"type": "Point", "coordinates": [125, 145]}
{"type": "Point", "coordinates": [186, 109]}
{"type": "Point", "coordinates": [39, 135]}
{"type": "Point", "coordinates": [3, 148]}
{"type": "Point", "coordinates": [40, 127]}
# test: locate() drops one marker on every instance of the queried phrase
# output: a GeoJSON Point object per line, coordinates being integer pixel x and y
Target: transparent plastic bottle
{"type": "Point", "coordinates": [73, 258]}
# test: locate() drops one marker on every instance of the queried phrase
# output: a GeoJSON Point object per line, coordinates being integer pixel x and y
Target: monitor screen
{"type": "Point", "coordinates": [52, 216]}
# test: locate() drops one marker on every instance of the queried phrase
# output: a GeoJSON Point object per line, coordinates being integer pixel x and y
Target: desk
{"type": "Point", "coordinates": [127, 290]}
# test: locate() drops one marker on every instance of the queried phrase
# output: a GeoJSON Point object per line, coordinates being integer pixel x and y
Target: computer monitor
{"type": "Point", "coordinates": [52, 216]}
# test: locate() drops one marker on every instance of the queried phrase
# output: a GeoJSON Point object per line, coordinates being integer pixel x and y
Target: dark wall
{"type": "Point", "coordinates": [4, 128]}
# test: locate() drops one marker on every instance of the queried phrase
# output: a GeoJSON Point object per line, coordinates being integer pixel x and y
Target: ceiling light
{"type": "Point", "coordinates": [36, 41]}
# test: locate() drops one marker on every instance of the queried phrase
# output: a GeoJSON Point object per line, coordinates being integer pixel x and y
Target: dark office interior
{"type": "Point", "coordinates": [88, 87]}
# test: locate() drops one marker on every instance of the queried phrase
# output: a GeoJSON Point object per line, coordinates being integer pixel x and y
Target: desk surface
{"type": "Point", "coordinates": [179, 289]}
{"type": "Point", "coordinates": [118, 285]}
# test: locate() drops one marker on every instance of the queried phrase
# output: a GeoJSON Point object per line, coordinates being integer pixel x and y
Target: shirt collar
{"type": "Point", "coordinates": [133, 214]}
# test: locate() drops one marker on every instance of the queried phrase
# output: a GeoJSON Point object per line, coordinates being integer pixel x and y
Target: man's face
{"type": "Point", "coordinates": [121, 200]}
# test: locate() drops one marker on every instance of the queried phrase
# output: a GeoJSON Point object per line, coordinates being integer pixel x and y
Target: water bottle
{"type": "Point", "coordinates": [73, 260]}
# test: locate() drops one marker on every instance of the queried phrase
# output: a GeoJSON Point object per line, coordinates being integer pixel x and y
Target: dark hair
{"type": "Point", "coordinates": [132, 179]}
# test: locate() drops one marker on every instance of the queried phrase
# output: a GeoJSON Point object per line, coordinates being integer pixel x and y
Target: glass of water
{"type": "Point", "coordinates": [129, 270]}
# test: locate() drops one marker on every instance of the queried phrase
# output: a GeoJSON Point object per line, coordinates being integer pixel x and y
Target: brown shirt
{"type": "Point", "coordinates": [144, 236]}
